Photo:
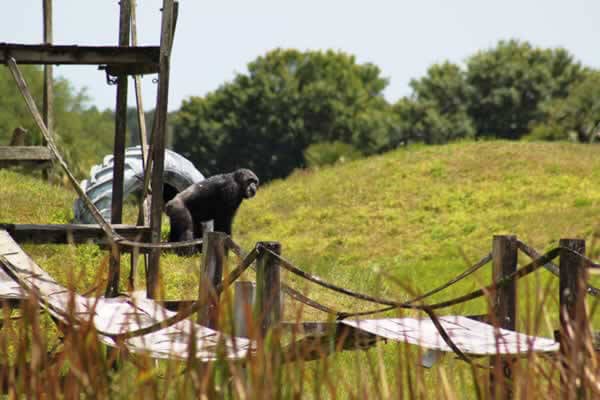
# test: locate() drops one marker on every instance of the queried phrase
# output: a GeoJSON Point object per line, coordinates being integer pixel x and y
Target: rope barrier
{"type": "Point", "coordinates": [523, 271]}
{"type": "Point", "coordinates": [553, 268]}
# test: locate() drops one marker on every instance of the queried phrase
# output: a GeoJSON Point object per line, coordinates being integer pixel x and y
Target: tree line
{"type": "Point", "coordinates": [292, 109]}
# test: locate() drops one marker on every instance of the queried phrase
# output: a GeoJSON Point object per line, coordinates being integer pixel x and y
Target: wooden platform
{"type": "Point", "coordinates": [129, 60]}
{"type": "Point", "coordinates": [116, 315]}
{"type": "Point", "coordinates": [19, 154]}
{"type": "Point", "coordinates": [471, 337]}
{"type": "Point", "coordinates": [71, 233]}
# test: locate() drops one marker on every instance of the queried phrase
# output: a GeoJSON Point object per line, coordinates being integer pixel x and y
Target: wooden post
{"type": "Point", "coordinates": [112, 288]}
{"type": "Point", "coordinates": [243, 301]}
{"type": "Point", "coordinates": [18, 137]}
{"type": "Point", "coordinates": [268, 288]}
{"type": "Point", "coordinates": [143, 139]}
{"type": "Point", "coordinates": [213, 261]}
{"type": "Point", "coordinates": [48, 96]}
{"type": "Point", "coordinates": [504, 310]}
{"type": "Point", "coordinates": [573, 319]}
{"type": "Point", "coordinates": [158, 143]}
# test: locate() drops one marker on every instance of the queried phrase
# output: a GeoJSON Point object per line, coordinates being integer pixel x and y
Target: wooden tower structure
{"type": "Point", "coordinates": [119, 63]}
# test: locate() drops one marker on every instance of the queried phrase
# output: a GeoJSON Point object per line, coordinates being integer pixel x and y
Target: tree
{"type": "Point", "coordinates": [510, 82]}
{"type": "Point", "coordinates": [576, 116]}
{"type": "Point", "coordinates": [266, 118]}
{"type": "Point", "coordinates": [84, 134]}
{"type": "Point", "coordinates": [437, 111]}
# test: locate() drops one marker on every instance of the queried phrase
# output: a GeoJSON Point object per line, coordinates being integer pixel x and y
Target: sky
{"type": "Point", "coordinates": [217, 39]}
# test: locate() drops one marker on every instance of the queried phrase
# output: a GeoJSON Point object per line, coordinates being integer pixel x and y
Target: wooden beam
{"type": "Point", "coordinates": [18, 137]}
{"type": "Point", "coordinates": [113, 56]}
{"type": "Point", "coordinates": [268, 288]}
{"type": "Point", "coordinates": [574, 333]}
{"type": "Point", "coordinates": [214, 258]}
{"type": "Point", "coordinates": [112, 287]}
{"type": "Point", "coordinates": [503, 313]}
{"type": "Point", "coordinates": [48, 96]}
{"type": "Point", "coordinates": [71, 233]}
{"type": "Point", "coordinates": [143, 214]}
{"type": "Point", "coordinates": [25, 153]}
{"type": "Point", "coordinates": [159, 134]}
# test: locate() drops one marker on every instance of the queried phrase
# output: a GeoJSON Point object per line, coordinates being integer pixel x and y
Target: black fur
{"type": "Point", "coordinates": [216, 198]}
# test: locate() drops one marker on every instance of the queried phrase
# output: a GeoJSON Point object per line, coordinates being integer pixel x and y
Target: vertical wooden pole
{"type": "Point", "coordinates": [143, 139]}
{"type": "Point", "coordinates": [112, 288]}
{"type": "Point", "coordinates": [268, 288]}
{"type": "Point", "coordinates": [573, 319]}
{"type": "Point", "coordinates": [243, 300]}
{"type": "Point", "coordinates": [213, 261]}
{"type": "Point", "coordinates": [504, 310]}
{"type": "Point", "coordinates": [158, 144]}
{"type": "Point", "coordinates": [48, 96]}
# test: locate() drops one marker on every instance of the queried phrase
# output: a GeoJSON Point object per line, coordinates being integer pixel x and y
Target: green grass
{"type": "Point", "coordinates": [419, 215]}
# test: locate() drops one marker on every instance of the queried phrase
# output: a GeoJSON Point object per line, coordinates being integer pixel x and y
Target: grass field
{"type": "Point", "coordinates": [413, 218]}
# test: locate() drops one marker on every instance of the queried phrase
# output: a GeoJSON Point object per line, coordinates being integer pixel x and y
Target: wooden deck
{"type": "Point", "coordinates": [112, 316]}
{"type": "Point", "coordinates": [470, 336]}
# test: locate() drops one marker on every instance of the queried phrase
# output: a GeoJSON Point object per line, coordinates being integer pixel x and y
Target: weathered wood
{"type": "Point", "coordinates": [243, 300]}
{"type": "Point", "coordinates": [119, 315]}
{"type": "Point", "coordinates": [213, 261]}
{"type": "Point", "coordinates": [18, 137]}
{"type": "Point", "coordinates": [22, 85]}
{"type": "Point", "coordinates": [158, 143]}
{"type": "Point", "coordinates": [48, 95]}
{"type": "Point", "coordinates": [143, 139]}
{"type": "Point", "coordinates": [113, 56]}
{"type": "Point", "coordinates": [470, 336]}
{"type": "Point", "coordinates": [503, 313]}
{"type": "Point", "coordinates": [318, 345]}
{"type": "Point", "coordinates": [268, 288]}
{"type": "Point", "coordinates": [114, 272]}
{"type": "Point", "coordinates": [71, 233]}
{"type": "Point", "coordinates": [574, 331]}
{"type": "Point", "coordinates": [25, 153]}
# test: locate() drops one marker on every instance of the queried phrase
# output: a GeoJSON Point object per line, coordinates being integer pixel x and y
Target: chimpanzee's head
{"type": "Point", "coordinates": [248, 181]}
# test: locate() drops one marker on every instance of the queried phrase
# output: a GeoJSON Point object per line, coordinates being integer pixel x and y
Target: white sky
{"type": "Point", "coordinates": [216, 39]}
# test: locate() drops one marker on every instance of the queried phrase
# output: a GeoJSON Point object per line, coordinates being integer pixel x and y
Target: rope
{"type": "Point", "coordinates": [406, 305]}
{"type": "Point", "coordinates": [165, 245]}
{"type": "Point", "coordinates": [550, 266]}
{"type": "Point", "coordinates": [461, 276]}
{"type": "Point", "coordinates": [341, 314]}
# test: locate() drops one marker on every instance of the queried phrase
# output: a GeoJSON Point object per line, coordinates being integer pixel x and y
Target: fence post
{"type": "Point", "coordinates": [504, 310]}
{"type": "Point", "coordinates": [268, 287]}
{"type": "Point", "coordinates": [213, 260]}
{"type": "Point", "coordinates": [573, 319]}
{"type": "Point", "coordinates": [243, 300]}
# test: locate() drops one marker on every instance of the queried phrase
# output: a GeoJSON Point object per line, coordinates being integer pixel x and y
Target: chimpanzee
{"type": "Point", "coordinates": [216, 198]}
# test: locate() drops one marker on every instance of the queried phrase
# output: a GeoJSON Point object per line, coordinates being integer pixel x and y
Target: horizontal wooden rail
{"type": "Point", "coordinates": [25, 153]}
{"type": "Point", "coordinates": [71, 233]}
{"type": "Point", "coordinates": [120, 59]}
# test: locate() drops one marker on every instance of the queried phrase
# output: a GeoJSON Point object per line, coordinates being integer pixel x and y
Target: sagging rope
{"type": "Point", "coordinates": [553, 268]}
{"type": "Point", "coordinates": [523, 271]}
{"type": "Point", "coordinates": [430, 313]}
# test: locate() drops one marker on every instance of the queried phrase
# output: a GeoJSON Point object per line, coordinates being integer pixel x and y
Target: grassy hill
{"type": "Point", "coordinates": [413, 218]}
{"type": "Point", "coordinates": [423, 213]}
